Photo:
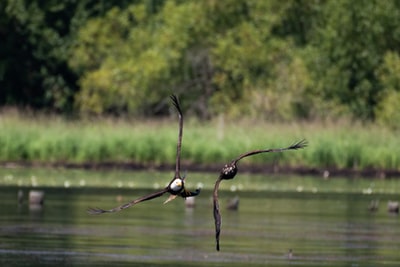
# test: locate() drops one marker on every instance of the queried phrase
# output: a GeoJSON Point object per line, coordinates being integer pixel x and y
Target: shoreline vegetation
{"type": "Point", "coordinates": [334, 148]}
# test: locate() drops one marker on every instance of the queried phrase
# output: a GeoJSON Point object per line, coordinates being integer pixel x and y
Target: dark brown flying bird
{"type": "Point", "coordinates": [177, 185]}
{"type": "Point", "coordinates": [229, 171]}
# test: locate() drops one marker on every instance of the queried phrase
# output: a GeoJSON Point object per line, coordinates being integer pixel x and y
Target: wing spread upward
{"type": "Point", "coordinates": [183, 194]}
{"type": "Point", "coordinates": [179, 143]}
{"type": "Point", "coordinates": [96, 211]}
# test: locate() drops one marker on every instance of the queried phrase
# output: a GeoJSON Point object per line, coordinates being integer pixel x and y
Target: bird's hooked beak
{"type": "Point", "coordinates": [180, 183]}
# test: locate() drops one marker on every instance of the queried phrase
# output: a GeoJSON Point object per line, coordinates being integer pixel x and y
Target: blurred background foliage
{"type": "Point", "coordinates": [274, 60]}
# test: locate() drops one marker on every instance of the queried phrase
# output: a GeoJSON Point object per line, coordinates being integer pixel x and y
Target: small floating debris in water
{"type": "Point", "coordinates": [36, 197]}
{"type": "Point", "coordinates": [20, 196]}
{"type": "Point", "coordinates": [233, 204]}
{"type": "Point", "coordinates": [290, 254]}
{"type": "Point", "coordinates": [373, 205]}
{"type": "Point", "coordinates": [393, 206]}
{"type": "Point", "coordinates": [299, 188]}
{"type": "Point", "coordinates": [314, 190]}
{"type": "Point", "coordinates": [8, 177]}
{"type": "Point", "coordinates": [34, 181]}
{"type": "Point", "coordinates": [367, 191]}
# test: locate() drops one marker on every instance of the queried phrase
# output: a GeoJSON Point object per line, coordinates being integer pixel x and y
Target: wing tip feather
{"type": "Point", "coordinates": [300, 144]}
{"type": "Point", "coordinates": [95, 211]}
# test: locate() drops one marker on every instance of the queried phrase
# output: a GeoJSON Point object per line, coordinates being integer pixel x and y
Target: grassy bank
{"type": "Point", "coordinates": [331, 145]}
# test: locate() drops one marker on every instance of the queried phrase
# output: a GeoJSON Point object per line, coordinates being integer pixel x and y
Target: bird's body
{"type": "Point", "coordinates": [177, 185]}
{"type": "Point", "coordinates": [230, 170]}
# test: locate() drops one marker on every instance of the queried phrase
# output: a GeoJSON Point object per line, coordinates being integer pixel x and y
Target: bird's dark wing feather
{"type": "Point", "coordinates": [217, 214]}
{"type": "Point", "coordinates": [96, 211]}
{"type": "Point", "coordinates": [185, 193]}
{"type": "Point", "coordinates": [179, 144]}
{"type": "Point", "coordinates": [298, 145]}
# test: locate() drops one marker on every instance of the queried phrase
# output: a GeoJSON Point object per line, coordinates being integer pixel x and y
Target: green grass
{"type": "Point", "coordinates": [51, 139]}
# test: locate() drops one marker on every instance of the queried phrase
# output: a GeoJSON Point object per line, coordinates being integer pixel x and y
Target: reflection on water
{"type": "Point", "coordinates": [269, 228]}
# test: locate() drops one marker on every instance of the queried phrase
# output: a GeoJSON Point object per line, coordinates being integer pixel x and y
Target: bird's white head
{"type": "Point", "coordinates": [176, 185]}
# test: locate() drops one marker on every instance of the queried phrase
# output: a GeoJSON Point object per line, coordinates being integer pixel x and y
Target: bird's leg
{"type": "Point", "coordinates": [170, 198]}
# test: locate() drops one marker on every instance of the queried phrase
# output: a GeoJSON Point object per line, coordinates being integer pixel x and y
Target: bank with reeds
{"type": "Point", "coordinates": [335, 146]}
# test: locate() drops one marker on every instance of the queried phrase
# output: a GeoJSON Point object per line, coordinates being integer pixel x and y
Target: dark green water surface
{"type": "Point", "coordinates": [319, 224]}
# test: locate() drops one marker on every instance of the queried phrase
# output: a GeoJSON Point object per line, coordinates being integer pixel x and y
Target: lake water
{"type": "Point", "coordinates": [281, 221]}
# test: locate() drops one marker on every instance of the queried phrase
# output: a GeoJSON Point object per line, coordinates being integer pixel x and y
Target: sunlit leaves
{"type": "Point", "coordinates": [138, 62]}
{"type": "Point", "coordinates": [387, 111]}
{"type": "Point", "coordinates": [265, 59]}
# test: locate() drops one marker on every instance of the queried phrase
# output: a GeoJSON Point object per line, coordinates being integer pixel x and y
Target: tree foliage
{"type": "Point", "coordinates": [277, 60]}
{"type": "Point", "coordinates": [349, 46]}
{"type": "Point", "coordinates": [132, 58]}
{"type": "Point", "coordinates": [36, 39]}
{"type": "Point", "coordinates": [387, 110]}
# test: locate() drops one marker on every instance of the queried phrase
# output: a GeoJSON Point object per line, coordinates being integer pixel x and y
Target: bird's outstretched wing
{"type": "Point", "coordinates": [96, 211]}
{"type": "Point", "coordinates": [217, 215]}
{"type": "Point", "coordinates": [298, 145]}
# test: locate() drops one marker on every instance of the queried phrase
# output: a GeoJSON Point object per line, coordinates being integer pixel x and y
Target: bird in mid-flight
{"type": "Point", "coordinates": [177, 185]}
{"type": "Point", "coordinates": [230, 170]}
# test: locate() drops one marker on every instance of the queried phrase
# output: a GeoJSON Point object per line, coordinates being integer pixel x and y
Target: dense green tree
{"type": "Point", "coordinates": [36, 38]}
{"type": "Point", "coordinates": [349, 45]}
{"type": "Point", "coordinates": [224, 52]}
{"type": "Point", "coordinates": [271, 59]}
{"type": "Point", "coordinates": [30, 50]}
{"type": "Point", "coordinates": [387, 110]}
{"type": "Point", "coordinates": [253, 66]}
{"type": "Point", "coordinates": [130, 59]}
